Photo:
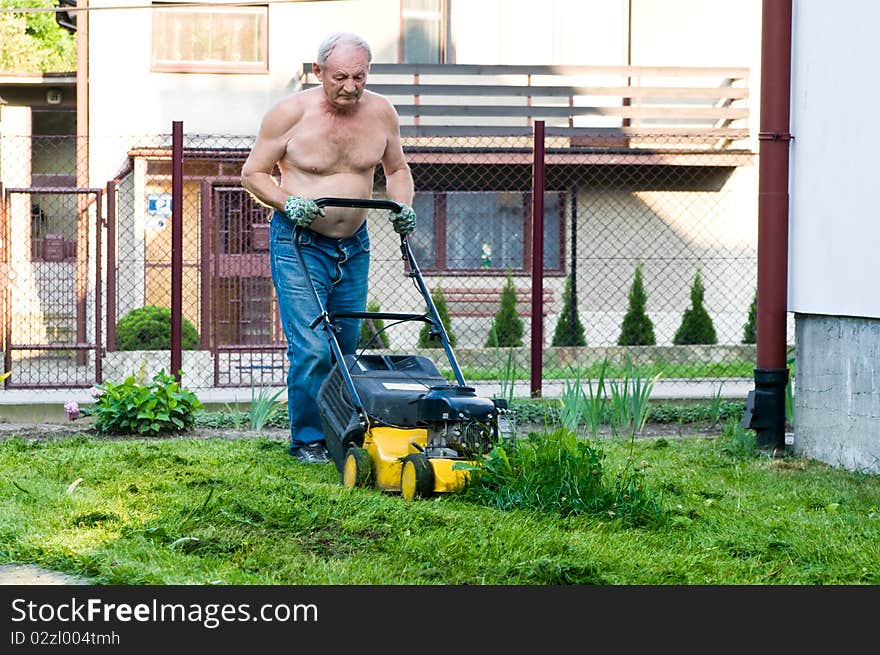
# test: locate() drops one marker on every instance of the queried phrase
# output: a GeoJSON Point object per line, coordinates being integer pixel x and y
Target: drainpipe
{"type": "Point", "coordinates": [765, 405]}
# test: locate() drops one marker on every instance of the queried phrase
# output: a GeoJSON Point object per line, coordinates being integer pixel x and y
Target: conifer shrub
{"type": "Point", "coordinates": [696, 324]}
{"type": "Point", "coordinates": [637, 328]}
{"type": "Point", "coordinates": [569, 330]}
{"type": "Point", "coordinates": [507, 326]}
{"type": "Point", "coordinates": [373, 335]}
{"type": "Point", "coordinates": [149, 328]}
{"type": "Point", "coordinates": [425, 341]}
{"type": "Point", "coordinates": [750, 328]}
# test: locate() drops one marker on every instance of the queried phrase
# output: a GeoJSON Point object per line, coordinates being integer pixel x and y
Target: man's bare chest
{"type": "Point", "coordinates": [327, 147]}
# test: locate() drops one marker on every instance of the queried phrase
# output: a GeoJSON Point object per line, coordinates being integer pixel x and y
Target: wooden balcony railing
{"type": "Point", "coordinates": [582, 106]}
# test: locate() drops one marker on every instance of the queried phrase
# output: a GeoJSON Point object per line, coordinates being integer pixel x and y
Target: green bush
{"type": "Point", "coordinates": [507, 326]}
{"type": "Point", "coordinates": [750, 328]}
{"type": "Point", "coordinates": [637, 329]}
{"type": "Point", "coordinates": [132, 408]}
{"type": "Point", "coordinates": [373, 333]}
{"type": "Point", "coordinates": [425, 341]}
{"type": "Point", "coordinates": [569, 330]}
{"type": "Point", "coordinates": [149, 328]}
{"type": "Point", "coordinates": [696, 324]}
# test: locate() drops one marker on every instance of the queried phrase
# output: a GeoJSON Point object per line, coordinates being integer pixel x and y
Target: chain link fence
{"type": "Point", "coordinates": [81, 261]}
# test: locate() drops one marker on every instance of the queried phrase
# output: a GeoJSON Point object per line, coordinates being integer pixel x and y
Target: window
{"type": "Point", "coordinates": [424, 38]}
{"type": "Point", "coordinates": [488, 231]}
{"type": "Point", "coordinates": [210, 39]}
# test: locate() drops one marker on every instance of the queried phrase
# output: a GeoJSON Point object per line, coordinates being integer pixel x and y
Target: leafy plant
{"type": "Point", "coordinates": [696, 324]}
{"type": "Point", "coordinates": [715, 404]}
{"type": "Point", "coordinates": [577, 405]}
{"type": "Point", "coordinates": [637, 328]}
{"type": "Point", "coordinates": [696, 412]}
{"type": "Point", "coordinates": [571, 401]}
{"type": "Point", "coordinates": [507, 326]}
{"type": "Point", "coordinates": [630, 399]}
{"type": "Point", "coordinates": [132, 408]}
{"type": "Point", "coordinates": [263, 407]}
{"type": "Point", "coordinates": [750, 328]}
{"type": "Point", "coordinates": [149, 328]}
{"type": "Point", "coordinates": [425, 340]}
{"type": "Point", "coordinates": [373, 334]}
{"type": "Point", "coordinates": [234, 417]}
{"type": "Point", "coordinates": [596, 401]}
{"type": "Point", "coordinates": [569, 329]}
{"type": "Point", "coordinates": [506, 374]}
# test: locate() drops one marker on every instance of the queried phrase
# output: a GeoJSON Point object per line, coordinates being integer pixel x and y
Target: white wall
{"type": "Point", "coordinates": [574, 32]}
{"type": "Point", "coordinates": [834, 218]}
{"type": "Point", "coordinates": [126, 98]}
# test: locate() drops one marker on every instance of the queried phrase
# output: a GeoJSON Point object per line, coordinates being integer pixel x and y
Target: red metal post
{"type": "Point", "coordinates": [537, 343]}
{"type": "Point", "coordinates": [111, 265]}
{"type": "Point", "coordinates": [99, 346]}
{"type": "Point", "coordinates": [6, 296]}
{"type": "Point", "coordinates": [176, 248]}
{"type": "Point", "coordinates": [765, 407]}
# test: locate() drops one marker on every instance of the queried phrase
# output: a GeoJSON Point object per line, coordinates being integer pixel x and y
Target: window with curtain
{"type": "Point", "coordinates": [487, 231]}
{"type": "Point", "coordinates": [214, 39]}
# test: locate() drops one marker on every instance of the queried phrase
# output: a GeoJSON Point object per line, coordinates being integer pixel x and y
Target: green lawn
{"type": "Point", "coordinates": [241, 511]}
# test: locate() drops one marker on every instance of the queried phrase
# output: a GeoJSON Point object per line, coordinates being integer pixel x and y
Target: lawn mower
{"type": "Point", "coordinates": [394, 422]}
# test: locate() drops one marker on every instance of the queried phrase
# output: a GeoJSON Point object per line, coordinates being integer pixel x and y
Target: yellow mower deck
{"type": "Point", "coordinates": [389, 461]}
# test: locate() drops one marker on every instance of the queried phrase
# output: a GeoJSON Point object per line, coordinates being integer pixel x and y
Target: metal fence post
{"type": "Point", "coordinates": [176, 247]}
{"type": "Point", "coordinates": [537, 262]}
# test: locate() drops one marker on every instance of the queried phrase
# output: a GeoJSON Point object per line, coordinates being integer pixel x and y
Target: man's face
{"type": "Point", "coordinates": [344, 75]}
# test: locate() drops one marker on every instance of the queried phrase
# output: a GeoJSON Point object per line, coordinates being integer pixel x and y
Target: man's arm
{"type": "Point", "coordinates": [399, 184]}
{"type": "Point", "coordinates": [269, 148]}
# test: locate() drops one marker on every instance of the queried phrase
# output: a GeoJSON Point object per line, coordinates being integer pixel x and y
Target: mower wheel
{"type": "Point", "coordinates": [416, 477]}
{"type": "Point", "coordinates": [357, 470]}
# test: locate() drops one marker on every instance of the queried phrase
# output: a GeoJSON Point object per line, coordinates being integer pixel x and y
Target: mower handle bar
{"type": "Point", "coordinates": [361, 203]}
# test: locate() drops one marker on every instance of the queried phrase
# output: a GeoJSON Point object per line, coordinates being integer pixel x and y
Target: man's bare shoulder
{"type": "Point", "coordinates": [288, 111]}
{"type": "Point", "coordinates": [381, 105]}
{"type": "Point", "coordinates": [294, 103]}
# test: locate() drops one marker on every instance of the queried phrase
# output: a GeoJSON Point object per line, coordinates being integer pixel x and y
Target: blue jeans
{"type": "Point", "coordinates": [339, 270]}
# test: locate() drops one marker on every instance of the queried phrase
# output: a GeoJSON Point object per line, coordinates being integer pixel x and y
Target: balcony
{"type": "Point", "coordinates": [593, 114]}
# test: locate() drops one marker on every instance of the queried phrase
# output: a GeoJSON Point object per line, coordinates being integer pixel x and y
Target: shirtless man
{"type": "Point", "coordinates": [326, 142]}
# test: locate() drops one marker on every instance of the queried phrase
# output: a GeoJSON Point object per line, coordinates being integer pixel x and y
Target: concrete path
{"type": "Point", "coordinates": [27, 574]}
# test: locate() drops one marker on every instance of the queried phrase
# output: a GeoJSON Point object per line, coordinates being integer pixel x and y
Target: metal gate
{"type": "Point", "coordinates": [238, 297]}
{"type": "Point", "coordinates": [51, 274]}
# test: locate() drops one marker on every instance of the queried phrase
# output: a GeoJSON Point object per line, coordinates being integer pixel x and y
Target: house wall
{"type": "Point", "coordinates": [834, 233]}
{"type": "Point", "coordinates": [129, 105]}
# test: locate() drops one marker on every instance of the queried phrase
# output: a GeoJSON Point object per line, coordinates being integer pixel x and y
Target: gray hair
{"type": "Point", "coordinates": [335, 39]}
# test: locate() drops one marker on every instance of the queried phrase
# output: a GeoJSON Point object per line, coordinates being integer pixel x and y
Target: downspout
{"type": "Point", "coordinates": [765, 405]}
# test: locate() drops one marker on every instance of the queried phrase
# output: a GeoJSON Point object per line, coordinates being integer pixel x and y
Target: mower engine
{"type": "Point", "coordinates": [459, 423]}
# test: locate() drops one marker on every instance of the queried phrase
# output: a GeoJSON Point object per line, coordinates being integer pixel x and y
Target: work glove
{"type": "Point", "coordinates": [302, 211]}
{"type": "Point", "coordinates": [405, 221]}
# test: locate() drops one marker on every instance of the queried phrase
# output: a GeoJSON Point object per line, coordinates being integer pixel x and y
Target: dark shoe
{"type": "Point", "coordinates": [311, 453]}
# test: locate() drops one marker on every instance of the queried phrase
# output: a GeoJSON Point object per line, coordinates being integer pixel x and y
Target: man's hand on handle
{"type": "Point", "coordinates": [302, 211]}
{"type": "Point", "coordinates": [405, 221]}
